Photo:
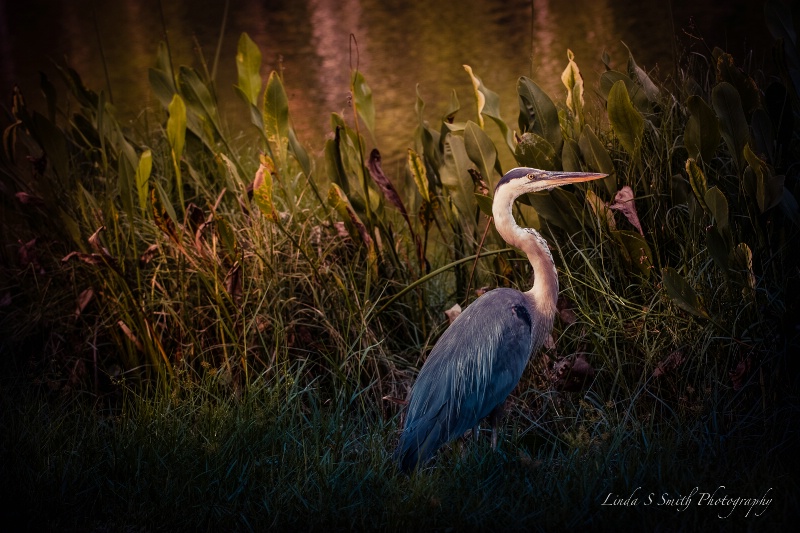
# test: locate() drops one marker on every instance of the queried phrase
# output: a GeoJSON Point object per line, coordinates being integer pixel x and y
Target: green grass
{"type": "Point", "coordinates": [283, 457]}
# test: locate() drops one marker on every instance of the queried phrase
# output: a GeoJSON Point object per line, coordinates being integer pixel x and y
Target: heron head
{"type": "Point", "coordinates": [525, 179]}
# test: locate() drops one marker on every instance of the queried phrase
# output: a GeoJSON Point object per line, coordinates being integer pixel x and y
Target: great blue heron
{"type": "Point", "coordinates": [479, 359]}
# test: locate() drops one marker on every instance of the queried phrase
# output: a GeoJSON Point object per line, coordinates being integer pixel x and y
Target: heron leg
{"type": "Point", "coordinates": [494, 420]}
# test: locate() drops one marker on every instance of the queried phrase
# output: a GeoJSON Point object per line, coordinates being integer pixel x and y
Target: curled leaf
{"type": "Point", "coordinates": [623, 202]}
{"type": "Point", "coordinates": [83, 300]}
{"type": "Point", "coordinates": [670, 363]}
{"type": "Point", "coordinates": [453, 313]}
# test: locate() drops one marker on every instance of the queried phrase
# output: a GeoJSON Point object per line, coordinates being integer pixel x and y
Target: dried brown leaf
{"type": "Point", "coordinates": [624, 202]}
{"type": "Point", "coordinates": [89, 259]}
{"type": "Point", "coordinates": [29, 199]}
{"type": "Point", "coordinates": [740, 373]}
{"type": "Point", "coordinates": [572, 374]}
{"type": "Point", "coordinates": [128, 333]}
{"type": "Point", "coordinates": [233, 282]}
{"type": "Point", "coordinates": [670, 363]}
{"type": "Point", "coordinates": [148, 254]}
{"type": "Point", "coordinates": [94, 242]}
{"type": "Point", "coordinates": [453, 313]}
{"type": "Point", "coordinates": [565, 312]}
{"type": "Point", "coordinates": [83, 300]}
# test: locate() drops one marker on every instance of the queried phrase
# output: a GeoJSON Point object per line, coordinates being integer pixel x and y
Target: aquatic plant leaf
{"type": "Point", "coordinates": [626, 121]}
{"type": "Point", "coordinates": [262, 188]}
{"type": "Point", "coordinates": [698, 181]}
{"type": "Point", "coordinates": [248, 67]}
{"type": "Point", "coordinates": [420, 175]}
{"type": "Point", "coordinates": [635, 250]}
{"type": "Point", "coordinates": [733, 124]}
{"type": "Point", "coordinates": [299, 152]}
{"type": "Point", "coordinates": [597, 158]}
{"type": "Point", "coordinates": [570, 156]}
{"type": "Point", "coordinates": [702, 134]}
{"type": "Point", "coordinates": [488, 103]}
{"type": "Point", "coordinates": [743, 259]}
{"type": "Point", "coordinates": [142, 176]}
{"type": "Point", "coordinates": [769, 188]}
{"type": "Point", "coordinates": [573, 81]}
{"type": "Point", "coordinates": [535, 151]}
{"type": "Point", "coordinates": [276, 117]}
{"type": "Point", "coordinates": [199, 98]}
{"type": "Point", "coordinates": [480, 150]}
{"type": "Point", "coordinates": [362, 96]}
{"type": "Point", "coordinates": [456, 179]}
{"type": "Point", "coordinates": [718, 207]}
{"type": "Point", "coordinates": [728, 72]}
{"type": "Point", "coordinates": [718, 248]}
{"type": "Point", "coordinates": [176, 127]}
{"type": "Point", "coordinates": [635, 91]}
{"type": "Point", "coordinates": [538, 113]}
{"type": "Point", "coordinates": [484, 203]}
{"type": "Point", "coordinates": [637, 73]}
{"type": "Point", "coordinates": [682, 294]}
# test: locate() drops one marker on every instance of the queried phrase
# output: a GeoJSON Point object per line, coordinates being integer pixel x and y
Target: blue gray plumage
{"type": "Point", "coordinates": [480, 358]}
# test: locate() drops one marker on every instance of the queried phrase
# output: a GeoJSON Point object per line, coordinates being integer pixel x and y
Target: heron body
{"type": "Point", "coordinates": [480, 358]}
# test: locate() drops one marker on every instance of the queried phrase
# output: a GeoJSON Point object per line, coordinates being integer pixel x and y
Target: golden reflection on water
{"type": "Point", "coordinates": [400, 44]}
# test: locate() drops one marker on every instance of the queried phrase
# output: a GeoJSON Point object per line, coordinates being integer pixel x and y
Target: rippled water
{"type": "Point", "coordinates": [401, 44]}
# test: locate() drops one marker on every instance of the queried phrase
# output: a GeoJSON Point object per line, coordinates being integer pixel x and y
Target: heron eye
{"type": "Point", "coordinates": [531, 176]}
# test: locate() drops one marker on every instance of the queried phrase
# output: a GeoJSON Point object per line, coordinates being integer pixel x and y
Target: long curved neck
{"type": "Point", "coordinates": [544, 293]}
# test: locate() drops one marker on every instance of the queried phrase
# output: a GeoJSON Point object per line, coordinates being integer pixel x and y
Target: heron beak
{"type": "Point", "coordinates": [554, 179]}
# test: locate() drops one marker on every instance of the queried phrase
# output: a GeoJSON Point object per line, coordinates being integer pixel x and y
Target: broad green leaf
{"type": "Point", "coordinates": [248, 66]}
{"type": "Point", "coordinates": [176, 127]}
{"type": "Point", "coordinates": [570, 156]}
{"type": "Point", "coordinates": [728, 72]}
{"type": "Point", "coordinates": [362, 96]}
{"type": "Point", "coordinates": [636, 251]}
{"type": "Point", "coordinates": [488, 103]}
{"type": "Point", "coordinates": [718, 206]}
{"type": "Point", "coordinates": [769, 188]}
{"type": "Point", "coordinates": [597, 158]}
{"type": "Point", "coordinates": [573, 81]}
{"type": "Point", "coordinates": [299, 152]}
{"type": "Point", "coordinates": [537, 113]}
{"type": "Point", "coordinates": [417, 168]}
{"type": "Point", "coordinates": [701, 135]}
{"type": "Point", "coordinates": [276, 117]}
{"type": "Point", "coordinates": [262, 188]}
{"type": "Point", "coordinates": [698, 182]}
{"type": "Point", "coordinates": [480, 150]}
{"type": "Point", "coordinates": [718, 248]}
{"type": "Point", "coordinates": [199, 98]}
{"type": "Point", "coordinates": [455, 178]}
{"type": "Point", "coordinates": [636, 72]}
{"type": "Point", "coordinates": [484, 203]}
{"type": "Point", "coordinates": [733, 124]}
{"type": "Point", "coordinates": [682, 294]}
{"type": "Point", "coordinates": [534, 151]}
{"type": "Point", "coordinates": [637, 94]}
{"type": "Point", "coordinates": [627, 123]}
{"type": "Point", "coordinates": [143, 171]}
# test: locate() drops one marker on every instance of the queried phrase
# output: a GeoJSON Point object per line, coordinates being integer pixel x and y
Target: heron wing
{"type": "Point", "coordinates": [473, 367]}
